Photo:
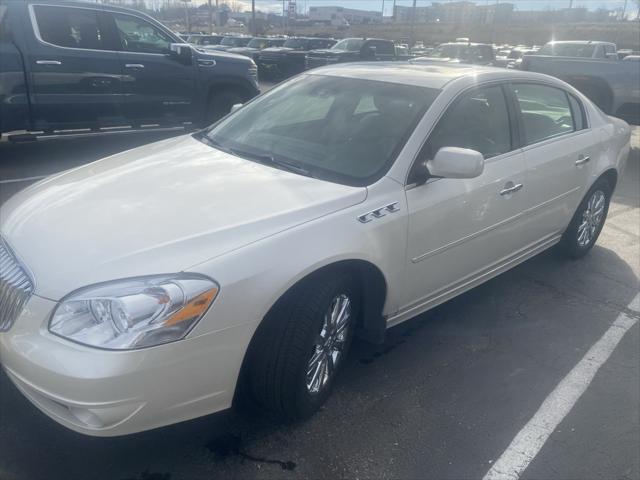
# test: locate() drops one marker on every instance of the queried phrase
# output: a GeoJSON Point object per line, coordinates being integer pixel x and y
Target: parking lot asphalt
{"type": "Point", "coordinates": [443, 398]}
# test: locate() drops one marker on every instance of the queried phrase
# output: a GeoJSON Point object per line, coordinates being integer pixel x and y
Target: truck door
{"type": "Point", "coordinates": [160, 86]}
{"type": "Point", "coordinates": [74, 71]}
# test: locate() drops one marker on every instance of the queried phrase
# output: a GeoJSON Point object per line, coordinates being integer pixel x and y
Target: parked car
{"type": "Point", "coordinates": [580, 49]}
{"type": "Point", "coordinates": [245, 257]}
{"type": "Point", "coordinates": [353, 50]}
{"type": "Point", "coordinates": [203, 40]}
{"type": "Point", "coordinates": [290, 58]}
{"type": "Point", "coordinates": [256, 44]}
{"type": "Point", "coordinates": [595, 70]}
{"type": "Point", "coordinates": [229, 42]}
{"type": "Point", "coordinates": [461, 52]}
{"type": "Point", "coordinates": [513, 59]}
{"type": "Point", "coordinates": [68, 66]}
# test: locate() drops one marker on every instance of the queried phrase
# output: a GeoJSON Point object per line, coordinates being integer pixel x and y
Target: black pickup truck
{"type": "Point", "coordinates": [290, 58]}
{"type": "Point", "coordinates": [353, 50]}
{"type": "Point", "coordinates": [69, 66]}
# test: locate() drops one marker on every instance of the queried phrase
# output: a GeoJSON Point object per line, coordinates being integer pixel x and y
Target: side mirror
{"type": "Point", "coordinates": [181, 51]}
{"type": "Point", "coordinates": [612, 56]}
{"type": "Point", "coordinates": [235, 107]}
{"type": "Point", "coordinates": [454, 162]}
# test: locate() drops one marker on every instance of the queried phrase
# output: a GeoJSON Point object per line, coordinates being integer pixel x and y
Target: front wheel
{"type": "Point", "coordinates": [220, 104]}
{"type": "Point", "coordinates": [587, 222]}
{"type": "Point", "coordinates": [302, 344]}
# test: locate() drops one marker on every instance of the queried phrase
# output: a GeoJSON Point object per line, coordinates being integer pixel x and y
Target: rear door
{"type": "Point", "coordinates": [160, 87]}
{"type": "Point", "coordinates": [75, 73]}
{"type": "Point", "coordinates": [460, 229]}
{"type": "Point", "coordinates": [558, 146]}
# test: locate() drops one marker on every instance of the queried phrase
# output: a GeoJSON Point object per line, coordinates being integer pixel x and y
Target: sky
{"type": "Point", "coordinates": [276, 5]}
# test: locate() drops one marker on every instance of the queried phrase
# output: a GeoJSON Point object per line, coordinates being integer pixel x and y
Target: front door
{"type": "Point", "coordinates": [160, 87]}
{"type": "Point", "coordinates": [460, 228]}
{"type": "Point", "coordinates": [75, 74]}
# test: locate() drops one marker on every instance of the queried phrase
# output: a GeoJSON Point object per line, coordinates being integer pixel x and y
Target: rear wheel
{"type": "Point", "coordinates": [587, 222]}
{"type": "Point", "coordinates": [302, 344]}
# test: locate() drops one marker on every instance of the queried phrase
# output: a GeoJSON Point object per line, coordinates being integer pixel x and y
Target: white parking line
{"type": "Point", "coordinates": [528, 442]}
{"type": "Point", "coordinates": [26, 179]}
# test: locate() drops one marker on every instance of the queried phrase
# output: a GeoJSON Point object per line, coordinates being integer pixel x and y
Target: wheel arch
{"type": "Point", "coordinates": [371, 324]}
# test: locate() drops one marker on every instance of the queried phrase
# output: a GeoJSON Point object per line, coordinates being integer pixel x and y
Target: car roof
{"type": "Point", "coordinates": [579, 42]}
{"type": "Point", "coordinates": [429, 75]}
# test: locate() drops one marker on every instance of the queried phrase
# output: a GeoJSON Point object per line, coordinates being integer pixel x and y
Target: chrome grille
{"type": "Point", "coordinates": [15, 287]}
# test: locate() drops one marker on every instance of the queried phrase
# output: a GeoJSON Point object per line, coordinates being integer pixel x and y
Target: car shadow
{"type": "Point", "coordinates": [474, 333]}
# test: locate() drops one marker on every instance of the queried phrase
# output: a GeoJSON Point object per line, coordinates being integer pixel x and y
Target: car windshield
{"type": "Point", "coordinates": [568, 49]}
{"type": "Point", "coordinates": [258, 43]}
{"type": "Point", "coordinates": [349, 44]}
{"type": "Point", "coordinates": [295, 43]}
{"type": "Point", "coordinates": [338, 129]}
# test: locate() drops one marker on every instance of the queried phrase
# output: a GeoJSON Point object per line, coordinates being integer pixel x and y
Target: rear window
{"type": "Point", "coordinates": [70, 27]}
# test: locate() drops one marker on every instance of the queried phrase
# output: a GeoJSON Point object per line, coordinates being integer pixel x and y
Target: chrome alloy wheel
{"type": "Point", "coordinates": [329, 345]}
{"type": "Point", "coordinates": [591, 218]}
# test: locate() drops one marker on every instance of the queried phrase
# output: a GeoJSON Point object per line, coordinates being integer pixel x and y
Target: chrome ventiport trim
{"type": "Point", "coordinates": [16, 287]}
{"type": "Point", "coordinates": [379, 212]}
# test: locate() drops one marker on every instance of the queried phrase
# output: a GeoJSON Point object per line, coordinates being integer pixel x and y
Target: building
{"type": "Point", "coordinates": [455, 12]}
{"type": "Point", "coordinates": [492, 14]}
{"type": "Point", "coordinates": [403, 14]}
{"type": "Point", "coordinates": [340, 15]}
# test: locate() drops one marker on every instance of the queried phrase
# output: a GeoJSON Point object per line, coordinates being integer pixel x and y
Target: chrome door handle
{"type": "Point", "coordinates": [582, 159]}
{"type": "Point", "coordinates": [48, 62]}
{"type": "Point", "coordinates": [512, 189]}
{"type": "Point", "coordinates": [134, 65]}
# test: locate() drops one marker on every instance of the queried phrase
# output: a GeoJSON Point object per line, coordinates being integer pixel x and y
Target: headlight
{"type": "Point", "coordinates": [134, 313]}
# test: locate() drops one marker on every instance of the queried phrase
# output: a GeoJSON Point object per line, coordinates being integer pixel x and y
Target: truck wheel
{"type": "Point", "coordinates": [586, 224]}
{"type": "Point", "coordinates": [220, 104]}
{"type": "Point", "coordinates": [302, 344]}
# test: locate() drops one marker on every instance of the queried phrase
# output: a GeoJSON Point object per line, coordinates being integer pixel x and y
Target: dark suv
{"type": "Point", "coordinates": [461, 52]}
{"type": "Point", "coordinates": [67, 65]}
{"type": "Point", "coordinates": [290, 58]}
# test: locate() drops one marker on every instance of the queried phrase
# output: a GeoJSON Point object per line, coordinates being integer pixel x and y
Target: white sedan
{"type": "Point", "coordinates": [141, 290]}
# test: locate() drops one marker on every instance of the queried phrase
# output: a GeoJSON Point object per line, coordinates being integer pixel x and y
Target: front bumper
{"type": "Point", "coordinates": [108, 393]}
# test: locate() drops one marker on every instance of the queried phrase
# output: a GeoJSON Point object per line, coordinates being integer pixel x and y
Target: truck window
{"type": "Point", "coordinates": [546, 112]}
{"type": "Point", "coordinates": [138, 35]}
{"type": "Point", "coordinates": [5, 31]}
{"type": "Point", "coordinates": [383, 48]}
{"type": "Point", "coordinates": [69, 27]}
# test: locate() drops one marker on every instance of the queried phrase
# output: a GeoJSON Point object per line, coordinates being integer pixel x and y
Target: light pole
{"type": "Point", "coordinates": [413, 21]}
{"type": "Point", "coordinates": [253, 18]}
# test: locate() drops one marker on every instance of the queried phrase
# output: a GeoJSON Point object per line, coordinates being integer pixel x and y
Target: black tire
{"type": "Point", "coordinates": [220, 104]}
{"type": "Point", "coordinates": [277, 374]}
{"type": "Point", "coordinates": [571, 244]}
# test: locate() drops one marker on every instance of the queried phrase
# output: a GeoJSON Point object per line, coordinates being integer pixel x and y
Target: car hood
{"type": "Point", "coordinates": [328, 51]}
{"type": "Point", "coordinates": [277, 50]}
{"type": "Point", "coordinates": [158, 208]}
{"type": "Point", "coordinates": [221, 55]}
{"type": "Point", "coordinates": [241, 50]}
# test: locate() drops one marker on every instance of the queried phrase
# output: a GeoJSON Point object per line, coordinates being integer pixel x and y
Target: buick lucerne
{"type": "Point", "coordinates": [143, 289]}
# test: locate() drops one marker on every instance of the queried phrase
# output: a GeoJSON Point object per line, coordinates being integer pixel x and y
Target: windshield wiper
{"type": "Point", "coordinates": [264, 158]}
{"type": "Point", "coordinates": [271, 160]}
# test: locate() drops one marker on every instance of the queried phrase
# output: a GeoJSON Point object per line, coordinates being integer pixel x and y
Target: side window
{"type": "Point", "coordinates": [577, 111]}
{"type": "Point", "coordinates": [70, 27]}
{"type": "Point", "coordinates": [138, 35]}
{"type": "Point", "coordinates": [5, 32]}
{"type": "Point", "coordinates": [478, 120]}
{"type": "Point", "coordinates": [383, 48]}
{"type": "Point", "coordinates": [545, 111]}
